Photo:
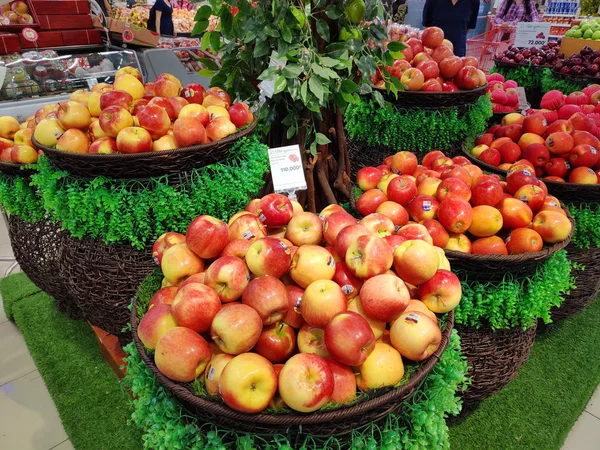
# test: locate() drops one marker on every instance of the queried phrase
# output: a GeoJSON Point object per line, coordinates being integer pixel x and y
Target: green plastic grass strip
{"type": "Point", "coordinates": [126, 211]}
{"type": "Point", "coordinates": [18, 198]}
{"type": "Point", "coordinates": [587, 220]}
{"type": "Point", "coordinates": [416, 130]}
{"type": "Point", "coordinates": [516, 302]}
{"type": "Point", "coordinates": [550, 82]}
{"type": "Point", "coordinates": [525, 76]}
{"type": "Point", "coordinates": [13, 289]}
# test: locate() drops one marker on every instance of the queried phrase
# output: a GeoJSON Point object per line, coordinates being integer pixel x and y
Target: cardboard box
{"type": "Point", "coordinates": [81, 37]}
{"type": "Point", "coordinates": [46, 39]}
{"type": "Point", "coordinates": [65, 22]}
{"type": "Point", "coordinates": [9, 43]}
{"type": "Point", "coordinates": [54, 8]}
{"type": "Point", "coordinates": [141, 36]}
{"type": "Point", "coordinates": [570, 46]}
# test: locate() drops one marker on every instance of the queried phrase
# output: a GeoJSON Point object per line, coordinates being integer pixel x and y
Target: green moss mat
{"type": "Point", "coordinates": [539, 408]}
{"type": "Point", "coordinates": [93, 407]}
{"type": "Point", "coordinates": [535, 411]}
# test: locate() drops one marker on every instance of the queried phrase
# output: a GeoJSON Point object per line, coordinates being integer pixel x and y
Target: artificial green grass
{"type": "Point", "coordinates": [538, 409]}
{"type": "Point", "coordinates": [93, 407]}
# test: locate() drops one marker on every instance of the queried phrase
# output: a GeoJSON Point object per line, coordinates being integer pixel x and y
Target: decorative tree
{"type": "Point", "coordinates": [304, 61]}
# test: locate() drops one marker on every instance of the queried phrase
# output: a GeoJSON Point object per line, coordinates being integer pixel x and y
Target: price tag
{"type": "Point", "coordinates": [523, 105]}
{"type": "Point", "coordinates": [286, 169]}
{"type": "Point", "coordinates": [127, 35]}
{"type": "Point", "coordinates": [532, 34]}
{"type": "Point", "coordinates": [91, 82]}
{"type": "Point", "coordinates": [29, 34]}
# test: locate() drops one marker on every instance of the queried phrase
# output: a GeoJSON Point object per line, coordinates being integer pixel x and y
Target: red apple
{"type": "Point", "coordinates": [368, 256]}
{"type": "Point", "coordinates": [182, 354]}
{"type": "Point", "coordinates": [275, 210]}
{"type": "Point", "coordinates": [207, 236]}
{"type": "Point", "coordinates": [344, 389]}
{"type": "Point", "coordinates": [583, 155]}
{"type": "Point", "coordinates": [236, 329]}
{"type": "Point", "coordinates": [384, 297]}
{"type": "Point", "coordinates": [155, 323]}
{"type": "Point", "coordinates": [438, 233]}
{"type": "Point", "coordinates": [412, 79]}
{"type": "Point", "coordinates": [450, 66]}
{"type": "Point", "coordinates": [306, 382]}
{"type": "Point", "coordinates": [116, 98]}
{"type": "Point", "coordinates": [277, 342]}
{"type": "Point", "coordinates": [240, 114]}
{"type": "Point", "coordinates": [442, 292]}
{"type": "Point", "coordinates": [467, 78]}
{"type": "Point", "coordinates": [429, 68]}
{"type": "Point", "coordinates": [228, 276]}
{"type": "Point", "coordinates": [195, 307]}
{"type": "Point", "coordinates": [193, 93]}
{"type": "Point", "coordinates": [432, 37]}
{"type": "Point", "coordinates": [416, 261]}
{"type": "Point", "coordinates": [268, 256]}
{"type": "Point", "coordinates": [349, 338]}
{"type": "Point", "coordinates": [335, 223]}
{"type": "Point", "coordinates": [423, 207]}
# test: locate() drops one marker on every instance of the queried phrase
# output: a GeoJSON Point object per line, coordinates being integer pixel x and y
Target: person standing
{"type": "Point", "coordinates": [161, 18]}
{"type": "Point", "coordinates": [513, 11]}
{"type": "Point", "coordinates": [455, 17]}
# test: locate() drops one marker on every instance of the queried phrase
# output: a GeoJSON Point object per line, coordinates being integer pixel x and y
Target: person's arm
{"type": "Point", "coordinates": [428, 13]}
{"type": "Point", "coordinates": [158, 15]}
{"type": "Point", "coordinates": [474, 12]}
{"type": "Point", "coordinates": [499, 19]}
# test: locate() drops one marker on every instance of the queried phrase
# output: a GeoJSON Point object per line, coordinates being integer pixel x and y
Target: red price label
{"type": "Point", "coordinates": [127, 35]}
{"type": "Point", "coordinates": [30, 34]}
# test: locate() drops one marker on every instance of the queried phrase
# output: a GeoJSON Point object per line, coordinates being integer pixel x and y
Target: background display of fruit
{"type": "Point", "coordinates": [586, 63]}
{"type": "Point", "coordinates": [183, 17]}
{"type": "Point", "coordinates": [546, 55]}
{"type": "Point", "coordinates": [429, 65]}
{"type": "Point", "coordinates": [400, 32]}
{"type": "Point", "coordinates": [560, 141]}
{"type": "Point", "coordinates": [461, 208]}
{"type": "Point", "coordinates": [15, 142]}
{"type": "Point", "coordinates": [503, 93]}
{"type": "Point", "coordinates": [587, 29]}
{"type": "Point", "coordinates": [15, 13]}
{"type": "Point", "coordinates": [282, 308]}
{"type": "Point", "coordinates": [131, 117]}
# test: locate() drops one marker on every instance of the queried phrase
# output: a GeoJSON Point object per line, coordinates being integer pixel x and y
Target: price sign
{"type": "Point", "coordinates": [532, 34]}
{"type": "Point", "coordinates": [286, 169]}
{"type": "Point", "coordinates": [29, 34]}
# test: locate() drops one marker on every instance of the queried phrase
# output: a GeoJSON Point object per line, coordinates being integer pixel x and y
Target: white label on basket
{"type": "Point", "coordinates": [532, 34]}
{"type": "Point", "coordinates": [286, 169]}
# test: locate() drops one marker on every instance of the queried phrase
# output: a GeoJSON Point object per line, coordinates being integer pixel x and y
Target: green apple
{"type": "Point", "coordinates": [588, 34]}
{"type": "Point", "coordinates": [596, 35]}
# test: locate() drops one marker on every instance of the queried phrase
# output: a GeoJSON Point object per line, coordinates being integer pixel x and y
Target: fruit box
{"type": "Point", "coordinates": [59, 7]}
{"type": "Point", "coordinates": [81, 37]}
{"type": "Point", "coordinates": [65, 22]}
{"type": "Point", "coordinates": [18, 27]}
{"type": "Point", "coordinates": [9, 43]}
{"type": "Point", "coordinates": [141, 36]}
{"type": "Point", "coordinates": [570, 46]}
{"type": "Point", "coordinates": [46, 39]}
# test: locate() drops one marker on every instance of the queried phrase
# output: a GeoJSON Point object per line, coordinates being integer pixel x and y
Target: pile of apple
{"type": "Point", "coordinates": [546, 55]}
{"type": "Point", "coordinates": [131, 117]}
{"type": "Point", "coordinates": [15, 142]}
{"type": "Point", "coordinates": [503, 93]}
{"type": "Point", "coordinates": [560, 141]}
{"type": "Point", "coordinates": [463, 209]}
{"type": "Point", "coordinates": [286, 308]}
{"type": "Point", "coordinates": [429, 64]}
{"type": "Point", "coordinates": [585, 63]}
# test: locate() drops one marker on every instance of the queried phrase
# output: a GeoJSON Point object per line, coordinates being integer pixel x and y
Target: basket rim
{"type": "Point", "coordinates": [15, 169]}
{"type": "Point", "coordinates": [184, 394]}
{"type": "Point", "coordinates": [51, 152]}
{"type": "Point", "coordinates": [550, 183]}
{"type": "Point", "coordinates": [480, 89]}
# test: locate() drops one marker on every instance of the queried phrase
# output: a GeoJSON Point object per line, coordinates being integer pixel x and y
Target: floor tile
{"type": "Point", "coordinates": [15, 360]}
{"type": "Point", "coordinates": [585, 435]}
{"type": "Point", "coordinates": [593, 406]}
{"type": "Point", "coordinates": [29, 418]}
{"type": "Point", "coordinates": [66, 445]}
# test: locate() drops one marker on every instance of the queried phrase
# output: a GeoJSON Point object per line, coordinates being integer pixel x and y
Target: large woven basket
{"type": "Point", "coordinates": [494, 358]}
{"type": "Point", "coordinates": [586, 280]}
{"type": "Point", "coordinates": [320, 426]}
{"type": "Point", "coordinates": [147, 164]}
{"type": "Point", "coordinates": [103, 279]}
{"type": "Point", "coordinates": [38, 248]}
{"type": "Point", "coordinates": [14, 169]}
{"type": "Point", "coordinates": [434, 100]}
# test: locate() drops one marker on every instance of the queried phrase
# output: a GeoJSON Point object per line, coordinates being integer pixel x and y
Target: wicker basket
{"type": "Point", "coordinates": [434, 100]}
{"type": "Point", "coordinates": [494, 358]}
{"type": "Point", "coordinates": [37, 248]}
{"type": "Point", "coordinates": [14, 169]}
{"type": "Point", "coordinates": [319, 425]}
{"type": "Point", "coordinates": [582, 80]}
{"type": "Point", "coordinates": [587, 282]}
{"type": "Point", "coordinates": [147, 164]}
{"type": "Point", "coordinates": [103, 279]}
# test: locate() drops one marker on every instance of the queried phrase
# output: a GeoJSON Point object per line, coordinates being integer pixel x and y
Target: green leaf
{"type": "Point", "coordinates": [203, 12]}
{"type": "Point", "coordinates": [199, 27]}
{"type": "Point", "coordinates": [329, 62]}
{"type": "Point", "coordinates": [269, 74]}
{"type": "Point", "coordinates": [206, 73]}
{"type": "Point", "coordinates": [292, 70]}
{"type": "Point", "coordinates": [226, 19]}
{"type": "Point", "coordinates": [313, 148]}
{"type": "Point", "coordinates": [336, 49]}
{"type": "Point", "coordinates": [349, 86]}
{"type": "Point", "coordinates": [397, 83]}
{"type": "Point", "coordinates": [316, 87]}
{"type": "Point", "coordinates": [331, 74]}
{"type": "Point", "coordinates": [333, 12]}
{"type": "Point", "coordinates": [250, 36]}
{"type": "Point", "coordinates": [286, 33]}
{"type": "Point", "coordinates": [261, 49]}
{"type": "Point", "coordinates": [209, 63]}
{"type": "Point", "coordinates": [355, 45]}
{"type": "Point", "coordinates": [322, 139]}
{"type": "Point", "coordinates": [365, 89]}
{"type": "Point", "coordinates": [270, 30]}
{"type": "Point", "coordinates": [304, 91]}
{"type": "Point", "coordinates": [215, 41]}
{"type": "Point", "coordinates": [321, 71]}
{"type": "Point", "coordinates": [388, 59]}
{"type": "Point", "coordinates": [323, 29]}
{"type": "Point", "coordinates": [394, 46]}
{"type": "Point", "coordinates": [205, 41]}
{"type": "Point", "coordinates": [280, 84]}
{"type": "Point", "coordinates": [290, 132]}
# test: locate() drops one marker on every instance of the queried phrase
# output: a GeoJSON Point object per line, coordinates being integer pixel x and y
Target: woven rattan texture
{"type": "Point", "coordinates": [494, 358]}
{"type": "Point", "coordinates": [37, 248]}
{"type": "Point", "coordinates": [320, 425]}
{"type": "Point", "coordinates": [435, 100]}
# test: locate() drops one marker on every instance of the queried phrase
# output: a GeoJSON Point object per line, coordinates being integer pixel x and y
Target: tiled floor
{"type": "Point", "coordinates": [29, 420]}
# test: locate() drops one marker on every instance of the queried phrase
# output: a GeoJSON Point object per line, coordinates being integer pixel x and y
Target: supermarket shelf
{"type": "Point", "coordinates": [560, 25]}
{"type": "Point", "coordinates": [70, 48]}
{"type": "Point", "coordinates": [559, 15]}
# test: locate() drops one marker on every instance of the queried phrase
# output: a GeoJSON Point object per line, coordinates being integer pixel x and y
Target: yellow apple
{"type": "Point", "coordinates": [213, 372]}
{"type": "Point", "coordinates": [383, 367]}
{"type": "Point", "coordinates": [129, 83]}
{"type": "Point", "coordinates": [47, 132]}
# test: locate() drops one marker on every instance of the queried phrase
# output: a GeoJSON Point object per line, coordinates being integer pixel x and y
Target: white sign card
{"type": "Point", "coordinates": [532, 34]}
{"type": "Point", "coordinates": [523, 104]}
{"type": "Point", "coordinates": [286, 169]}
